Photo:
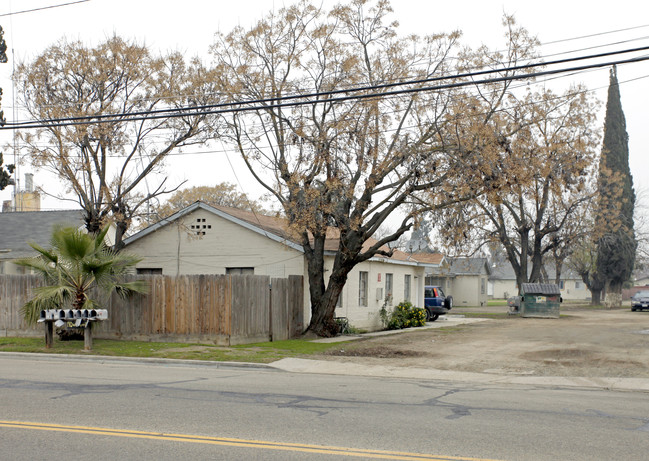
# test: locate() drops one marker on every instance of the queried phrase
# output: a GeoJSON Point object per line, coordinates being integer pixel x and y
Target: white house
{"type": "Point", "coordinates": [202, 239]}
{"type": "Point", "coordinates": [502, 283]}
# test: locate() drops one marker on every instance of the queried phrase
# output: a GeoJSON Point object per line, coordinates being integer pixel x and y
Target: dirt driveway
{"type": "Point", "coordinates": [583, 342]}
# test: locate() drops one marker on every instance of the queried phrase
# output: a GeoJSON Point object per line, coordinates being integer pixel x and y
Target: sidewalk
{"type": "Point", "coordinates": [295, 365]}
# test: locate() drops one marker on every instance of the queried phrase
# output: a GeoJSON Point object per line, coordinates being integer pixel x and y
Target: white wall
{"type": "Point", "coordinates": [504, 288]}
{"type": "Point", "coordinates": [177, 250]}
{"type": "Point", "coordinates": [467, 290]}
{"type": "Point", "coordinates": [367, 317]}
{"type": "Point", "coordinates": [575, 290]}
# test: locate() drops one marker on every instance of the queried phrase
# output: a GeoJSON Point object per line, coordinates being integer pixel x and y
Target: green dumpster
{"type": "Point", "coordinates": [540, 300]}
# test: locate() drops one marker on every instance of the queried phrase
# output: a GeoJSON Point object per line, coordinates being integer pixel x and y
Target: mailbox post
{"type": "Point", "coordinates": [87, 337]}
{"type": "Point", "coordinates": [49, 334]}
{"type": "Point", "coordinates": [79, 318]}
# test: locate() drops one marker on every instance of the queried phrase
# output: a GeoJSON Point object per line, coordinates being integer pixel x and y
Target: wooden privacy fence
{"type": "Point", "coordinates": [219, 309]}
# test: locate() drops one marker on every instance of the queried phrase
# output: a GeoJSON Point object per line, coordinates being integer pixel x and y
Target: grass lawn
{"type": "Point", "coordinates": [497, 302]}
{"type": "Point", "coordinates": [257, 353]}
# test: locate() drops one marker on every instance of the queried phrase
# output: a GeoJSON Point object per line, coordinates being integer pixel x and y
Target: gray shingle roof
{"type": "Point", "coordinates": [18, 229]}
{"type": "Point", "coordinates": [502, 270]}
{"type": "Point", "coordinates": [469, 266]}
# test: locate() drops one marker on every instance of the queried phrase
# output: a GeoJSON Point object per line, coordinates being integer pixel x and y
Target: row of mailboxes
{"type": "Point", "coordinates": [73, 314]}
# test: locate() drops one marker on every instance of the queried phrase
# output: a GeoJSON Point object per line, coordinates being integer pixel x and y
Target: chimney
{"type": "Point", "coordinates": [29, 182]}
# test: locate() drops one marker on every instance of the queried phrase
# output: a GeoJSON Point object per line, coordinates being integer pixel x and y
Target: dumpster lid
{"type": "Point", "coordinates": [540, 288]}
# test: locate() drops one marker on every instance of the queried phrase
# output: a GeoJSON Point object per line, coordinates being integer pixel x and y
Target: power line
{"type": "Point", "coordinates": [543, 63]}
{"type": "Point", "coordinates": [598, 34]}
{"type": "Point", "coordinates": [43, 8]}
{"type": "Point", "coordinates": [202, 111]}
{"type": "Point", "coordinates": [243, 106]}
{"type": "Point", "coordinates": [223, 150]}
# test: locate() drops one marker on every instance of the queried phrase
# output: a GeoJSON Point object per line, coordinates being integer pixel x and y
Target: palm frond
{"type": "Point", "coordinates": [75, 264]}
{"type": "Point", "coordinates": [126, 289]}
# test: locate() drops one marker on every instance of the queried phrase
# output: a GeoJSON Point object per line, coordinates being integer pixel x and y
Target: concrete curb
{"type": "Point", "coordinates": [150, 360]}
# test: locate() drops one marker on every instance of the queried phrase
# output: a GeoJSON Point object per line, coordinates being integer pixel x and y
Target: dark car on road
{"type": "Point", "coordinates": [436, 303]}
{"type": "Point", "coordinates": [640, 301]}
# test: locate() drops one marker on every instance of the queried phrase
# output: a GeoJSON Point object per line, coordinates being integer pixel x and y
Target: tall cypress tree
{"type": "Point", "coordinates": [615, 237]}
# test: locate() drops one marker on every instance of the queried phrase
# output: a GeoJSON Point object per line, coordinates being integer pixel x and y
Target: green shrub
{"type": "Point", "coordinates": [405, 315]}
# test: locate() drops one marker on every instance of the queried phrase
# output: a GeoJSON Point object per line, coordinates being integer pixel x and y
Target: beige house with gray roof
{"type": "Point", "coordinates": [202, 239]}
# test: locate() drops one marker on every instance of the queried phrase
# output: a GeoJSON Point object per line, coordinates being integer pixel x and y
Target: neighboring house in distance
{"type": "Point", "coordinates": [471, 277]}
{"type": "Point", "coordinates": [202, 239]}
{"type": "Point", "coordinates": [20, 228]}
{"type": "Point", "coordinates": [502, 283]}
{"type": "Point", "coordinates": [641, 279]}
{"type": "Point", "coordinates": [466, 279]}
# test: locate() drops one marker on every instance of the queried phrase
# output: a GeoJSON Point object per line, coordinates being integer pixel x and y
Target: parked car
{"type": "Point", "coordinates": [640, 301]}
{"type": "Point", "coordinates": [436, 303]}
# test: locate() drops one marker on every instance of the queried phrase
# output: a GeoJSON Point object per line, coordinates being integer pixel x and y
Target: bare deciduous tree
{"type": "Point", "coordinates": [103, 161]}
{"type": "Point", "coordinates": [548, 152]}
{"type": "Point", "coordinates": [340, 167]}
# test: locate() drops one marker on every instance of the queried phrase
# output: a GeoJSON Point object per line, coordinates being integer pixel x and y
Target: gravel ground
{"type": "Point", "coordinates": [582, 342]}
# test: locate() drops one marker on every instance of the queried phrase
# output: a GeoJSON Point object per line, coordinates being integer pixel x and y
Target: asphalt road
{"type": "Point", "coordinates": [105, 409]}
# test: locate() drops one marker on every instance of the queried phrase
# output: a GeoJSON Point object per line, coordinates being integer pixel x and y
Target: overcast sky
{"type": "Point", "coordinates": [189, 26]}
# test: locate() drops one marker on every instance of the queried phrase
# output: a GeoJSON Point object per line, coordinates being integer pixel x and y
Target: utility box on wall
{"type": "Point", "coordinates": [540, 300]}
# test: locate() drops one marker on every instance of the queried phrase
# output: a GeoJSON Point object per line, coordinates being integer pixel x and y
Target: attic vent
{"type": "Point", "coordinates": [202, 227]}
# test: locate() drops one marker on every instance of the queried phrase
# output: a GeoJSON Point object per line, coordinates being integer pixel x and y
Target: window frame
{"type": "Point", "coordinates": [407, 290]}
{"type": "Point", "coordinates": [389, 287]}
{"type": "Point", "coordinates": [363, 289]}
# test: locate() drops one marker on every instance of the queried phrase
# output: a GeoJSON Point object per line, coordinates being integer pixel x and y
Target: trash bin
{"type": "Point", "coordinates": [540, 300]}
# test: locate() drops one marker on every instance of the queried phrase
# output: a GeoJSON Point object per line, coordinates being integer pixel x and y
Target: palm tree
{"type": "Point", "coordinates": [77, 263]}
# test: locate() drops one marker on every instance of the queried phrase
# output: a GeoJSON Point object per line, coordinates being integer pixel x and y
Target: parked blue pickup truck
{"type": "Point", "coordinates": [436, 303]}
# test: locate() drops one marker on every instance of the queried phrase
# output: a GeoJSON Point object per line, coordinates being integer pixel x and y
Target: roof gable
{"type": "Point", "coordinates": [269, 226]}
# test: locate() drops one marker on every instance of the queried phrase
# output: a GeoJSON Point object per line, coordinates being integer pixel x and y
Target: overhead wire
{"type": "Point", "coordinates": [233, 150]}
{"type": "Point", "coordinates": [295, 100]}
{"type": "Point", "coordinates": [474, 69]}
{"type": "Point", "coordinates": [13, 13]}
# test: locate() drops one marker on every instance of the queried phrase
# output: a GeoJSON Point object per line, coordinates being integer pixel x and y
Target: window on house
{"type": "Point", "coordinates": [362, 288]}
{"type": "Point", "coordinates": [577, 285]}
{"type": "Point", "coordinates": [562, 284]}
{"type": "Point", "coordinates": [339, 303]}
{"type": "Point", "coordinates": [149, 270]}
{"type": "Point", "coordinates": [483, 286]}
{"type": "Point", "coordinates": [389, 278]}
{"type": "Point", "coordinates": [240, 270]}
{"type": "Point", "coordinates": [406, 287]}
